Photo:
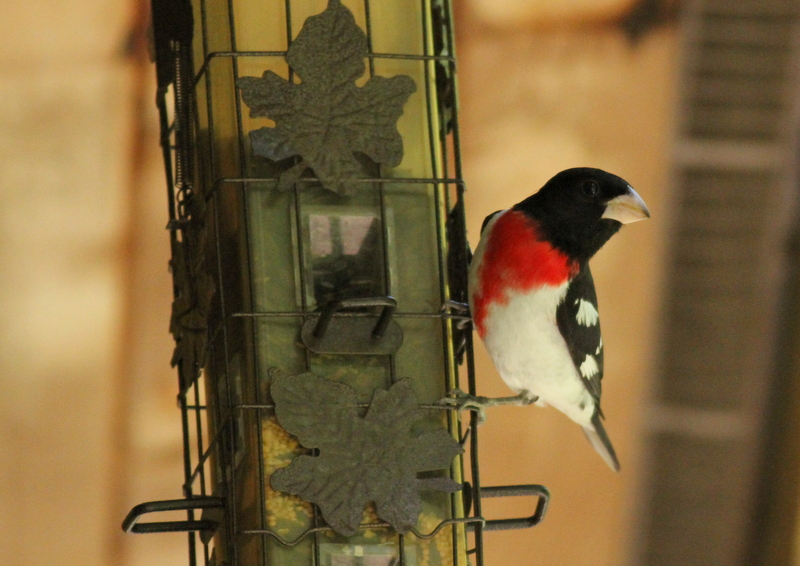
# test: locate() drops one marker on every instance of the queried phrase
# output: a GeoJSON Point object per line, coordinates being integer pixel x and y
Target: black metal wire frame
{"type": "Point", "coordinates": [180, 155]}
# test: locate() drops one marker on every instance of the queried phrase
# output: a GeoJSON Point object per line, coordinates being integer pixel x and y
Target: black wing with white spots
{"type": "Point", "coordinates": [579, 323]}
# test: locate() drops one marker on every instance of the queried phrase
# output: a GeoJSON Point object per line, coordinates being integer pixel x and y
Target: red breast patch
{"type": "Point", "coordinates": [516, 259]}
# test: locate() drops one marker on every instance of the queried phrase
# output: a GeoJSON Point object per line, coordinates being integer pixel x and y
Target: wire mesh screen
{"type": "Point", "coordinates": [264, 250]}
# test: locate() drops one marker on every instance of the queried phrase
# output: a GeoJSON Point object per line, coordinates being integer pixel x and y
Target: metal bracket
{"type": "Point", "coordinates": [335, 332]}
{"type": "Point", "coordinates": [539, 491]}
{"type": "Point", "coordinates": [129, 525]}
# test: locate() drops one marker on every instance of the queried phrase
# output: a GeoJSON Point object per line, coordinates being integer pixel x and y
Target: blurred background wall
{"type": "Point", "coordinates": [88, 421]}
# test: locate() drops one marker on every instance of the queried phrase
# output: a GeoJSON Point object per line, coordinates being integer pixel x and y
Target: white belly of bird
{"type": "Point", "coordinates": [530, 354]}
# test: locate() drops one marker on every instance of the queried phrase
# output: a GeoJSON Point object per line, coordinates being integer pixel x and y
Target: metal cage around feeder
{"type": "Point", "coordinates": [345, 278]}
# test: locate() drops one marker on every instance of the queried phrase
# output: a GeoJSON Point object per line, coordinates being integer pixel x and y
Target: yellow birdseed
{"type": "Point", "coordinates": [279, 449]}
{"type": "Point", "coordinates": [442, 542]}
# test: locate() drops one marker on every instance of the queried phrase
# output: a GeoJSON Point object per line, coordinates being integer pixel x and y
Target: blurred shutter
{"type": "Point", "coordinates": [733, 199]}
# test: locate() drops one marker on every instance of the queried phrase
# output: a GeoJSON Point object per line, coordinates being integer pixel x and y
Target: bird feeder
{"type": "Point", "coordinates": [318, 248]}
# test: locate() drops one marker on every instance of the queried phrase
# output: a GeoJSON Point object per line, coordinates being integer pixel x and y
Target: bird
{"type": "Point", "coordinates": [533, 301]}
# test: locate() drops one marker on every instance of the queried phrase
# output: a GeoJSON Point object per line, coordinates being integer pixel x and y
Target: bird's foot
{"type": "Point", "coordinates": [525, 398]}
{"type": "Point", "coordinates": [462, 401]}
{"type": "Point", "coordinates": [458, 312]}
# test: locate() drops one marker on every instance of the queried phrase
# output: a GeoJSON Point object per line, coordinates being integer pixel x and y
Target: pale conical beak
{"type": "Point", "coordinates": [627, 208]}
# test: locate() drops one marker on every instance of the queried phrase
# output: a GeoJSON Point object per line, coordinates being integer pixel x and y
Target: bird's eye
{"type": "Point", "coordinates": [591, 188]}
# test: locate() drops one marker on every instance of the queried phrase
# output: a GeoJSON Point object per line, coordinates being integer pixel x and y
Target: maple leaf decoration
{"type": "Point", "coordinates": [326, 117]}
{"type": "Point", "coordinates": [375, 458]}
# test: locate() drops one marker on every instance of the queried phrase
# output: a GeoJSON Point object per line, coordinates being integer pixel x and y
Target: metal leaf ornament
{"type": "Point", "coordinates": [326, 118]}
{"type": "Point", "coordinates": [374, 458]}
{"type": "Point", "coordinates": [195, 289]}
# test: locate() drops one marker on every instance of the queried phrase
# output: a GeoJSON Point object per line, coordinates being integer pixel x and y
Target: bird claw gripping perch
{"type": "Point", "coordinates": [462, 401]}
{"type": "Point", "coordinates": [465, 402]}
{"type": "Point", "coordinates": [458, 312]}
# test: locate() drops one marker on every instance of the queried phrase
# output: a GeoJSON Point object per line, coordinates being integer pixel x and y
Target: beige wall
{"type": "Point", "coordinates": [65, 136]}
{"type": "Point", "coordinates": [89, 427]}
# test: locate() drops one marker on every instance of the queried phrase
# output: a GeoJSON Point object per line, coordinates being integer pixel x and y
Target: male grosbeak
{"type": "Point", "coordinates": [533, 300]}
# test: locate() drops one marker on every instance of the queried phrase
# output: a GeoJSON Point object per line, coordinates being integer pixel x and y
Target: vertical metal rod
{"type": "Point", "coordinates": [455, 132]}
{"type": "Point", "coordinates": [187, 472]}
{"type": "Point", "coordinates": [476, 483]}
{"type": "Point", "coordinates": [381, 197]}
{"type": "Point", "coordinates": [210, 145]}
{"type": "Point", "coordinates": [261, 473]}
{"type": "Point", "coordinates": [200, 451]}
{"type": "Point", "coordinates": [209, 118]}
{"type": "Point", "coordinates": [234, 515]}
{"type": "Point", "coordinates": [432, 137]}
{"type": "Point", "coordinates": [469, 353]}
{"type": "Point", "coordinates": [436, 133]}
{"type": "Point", "coordinates": [369, 38]}
{"type": "Point", "coordinates": [245, 194]}
{"type": "Point", "coordinates": [288, 8]}
{"type": "Point", "coordinates": [316, 558]}
{"type": "Point", "coordinates": [301, 254]}
{"type": "Point", "coordinates": [166, 150]}
{"type": "Point", "coordinates": [209, 97]}
{"type": "Point", "coordinates": [437, 194]}
{"type": "Point", "coordinates": [443, 139]}
{"type": "Point", "coordinates": [297, 201]}
{"type": "Point", "coordinates": [474, 454]}
{"type": "Point", "coordinates": [260, 414]}
{"type": "Point", "coordinates": [238, 102]}
{"type": "Point", "coordinates": [229, 417]}
{"type": "Point", "coordinates": [401, 549]}
{"type": "Point", "coordinates": [245, 236]}
{"type": "Point", "coordinates": [199, 427]}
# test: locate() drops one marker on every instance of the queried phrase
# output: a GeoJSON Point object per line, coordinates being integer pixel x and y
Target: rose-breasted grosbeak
{"type": "Point", "coordinates": [533, 300]}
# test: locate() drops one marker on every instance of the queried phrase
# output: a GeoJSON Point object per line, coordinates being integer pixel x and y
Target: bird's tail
{"type": "Point", "coordinates": [599, 439]}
